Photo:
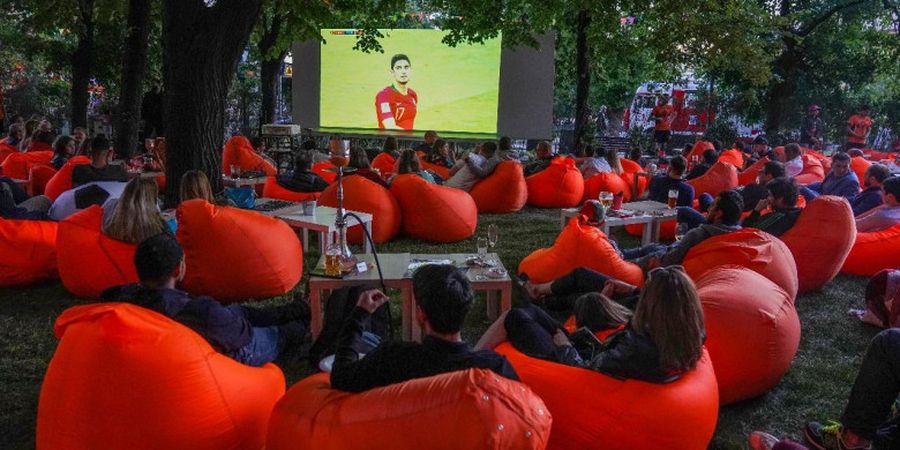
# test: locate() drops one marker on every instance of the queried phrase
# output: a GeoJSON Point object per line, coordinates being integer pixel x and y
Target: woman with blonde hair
{"type": "Point", "coordinates": [195, 184]}
{"type": "Point", "coordinates": [135, 215]}
{"type": "Point", "coordinates": [612, 157]}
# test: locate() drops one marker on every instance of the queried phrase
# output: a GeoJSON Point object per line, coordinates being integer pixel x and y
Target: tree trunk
{"type": "Point", "coordinates": [82, 64]}
{"type": "Point", "coordinates": [583, 79]}
{"type": "Point", "coordinates": [781, 91]}
{"type": "Point", "coordinates": [134, 67]}
{"type": "Point", "coordinates": [269, 71]}
{"type": "Point", "coordinates": [201, 49]}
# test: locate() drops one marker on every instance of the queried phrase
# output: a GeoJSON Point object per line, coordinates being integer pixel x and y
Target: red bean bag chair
{"type": "Point", "coordinates": [233, 254]}
{"type": "Point", "coordinates": [752, 331]}
{"type": "Point", "coordinates": [595, 411]}
{"type": "Point", "coordinates": [18, 165]}
{"type": "Point", "coordinates": [821, 240]}
{"type": "Point", "coordinates": [813, 172]}
{"type": "Point", "coordinates": [579, 245]}
{"type": "Point", "coordinates": [239, 151]}
{"type": "Point", "coordinates": [470, 409]}
{"type": "Point", "coordinates": [859, 166]}
{"type": "Point", "coordinates": [720, 177]}
{"type": "Point", "coordinates": [825, 160]}
{"type": "Point", "coordinates": [749, 248]}
{"type": "Point", "coordinates": [433, 212]}
{"type": "Point", "coordinates": [89, 261]}
{"type": "Point", "coordinates": [504, 191]}
{"type": "Point", "coordinates": [320, 168]}
{"type": "Point", "coordinates": [698, 149]}
{"type": "Point", "coordinates": [40, 175]}
{"type": "Point", "coordinates": [629, 168]}
{"type": "Point", "coordinates": [441, 171]}
{"type": "Point", "coordinates": [384, 162]}
{"type": "Point", "coordinates": [560, 185]}
{"type": "Point", "coordinates": [605, 182]}
{"type": "Point", "coordinates": [62, 179]}
{"type": "Point", "coordinates": [749, 175]}
{"type": "Point", "coordinates": [6, 150]}
{"type": "Point", "coordinates": [734, 157]}
{"type": "Point", "coordinates": [874, 155]}
{"type": "Point", "coordinates": [27, 252]}
{"type": "Point", "coordinates": [274, 190]}
{"type": "Point", "coordinates": [873, 252]}
{"type": "Point", "coordinates": [779, 152]}
{"type": "Point", "coordinates": [129, 378]}
{"type": "Point", "coordinates": [366, 196]}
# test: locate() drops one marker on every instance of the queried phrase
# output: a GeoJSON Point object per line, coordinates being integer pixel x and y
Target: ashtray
{"type": "Point", "coordinates": [476, 261]}
{"type": "Point", "coordinates": [495, 272]}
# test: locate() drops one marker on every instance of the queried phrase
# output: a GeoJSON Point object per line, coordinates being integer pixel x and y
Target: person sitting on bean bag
{"type": "Point", "coordinates": [558, 297]}
{"type": "Point", "coordinates": [782, 200]}
{"type": "Point", "coordinates": [594, 162]}
{"type": "Point", "coordinates": [441, 154]}
{"type": "Point", "coordinates": [443, 299]}
{"type": "Point", "coordinates": [41, 142]}
{"type": "Point", "coordinates": [195, 184]}
{"type": "Point", "coordinates": [543, 155]}
{"type": "Point", "coordinates": [662, 341]}
{"type": "Point", "coordinates": [429, 142]}
{"type": "Point", "coordinates": [754, 192]}
{"type": "Point", "coordinates": [793, 161]}
{"type": "Point", "coordinates": [759, 149]}
{"type": "Point", "coordinates": [135, 215]}
{"type": "Point", "coordinates": [302, 179]}
{"type": "Point", "coordinates": [840, 182]}
{"type": "Point", "coordinates": [709, 158]}
{"type": "Point", "coordinates": [99, 169]}
{"type": "Point", "coordinates": [661, 185]}
{"type": "Point", "coordinates": [475, 166]}
{"type": "Point", "coordinates": [15, 203]}
{"type": "Point", "coordinates": [409, 163]}
{"type": "Point", "coordinates": [63, 150]}
{"type": "Point", "coordinates": [252, 336]}
{"type": "Point", "coordinates": [872, 195]}
{"type": "Point", "coordinates": [359, 160]}
{"type": "Point", "coordinates": [886, 215]}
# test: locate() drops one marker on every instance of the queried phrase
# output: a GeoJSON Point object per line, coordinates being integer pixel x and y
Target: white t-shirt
{"type": "Point", "coordinates": [793, 167]}
{"type": "Point", "coordinates": [593, 166]}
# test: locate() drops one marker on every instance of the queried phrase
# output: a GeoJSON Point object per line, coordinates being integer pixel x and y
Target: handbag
{"type": "Point", "coordinates": [242, 197]}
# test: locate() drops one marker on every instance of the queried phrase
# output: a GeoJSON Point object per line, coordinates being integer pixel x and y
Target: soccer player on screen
{"type": "Point", "coordinates": [395, 105]}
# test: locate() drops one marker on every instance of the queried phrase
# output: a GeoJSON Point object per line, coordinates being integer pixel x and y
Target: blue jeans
{"type": "Point", "coordinates": [807, 193]}
{"type": "Point", "coordinates": [691, 217]}
{"type": "Point", "coordinates": [630, 254]}
{"type": "Point", "coordinates": [263, 347]}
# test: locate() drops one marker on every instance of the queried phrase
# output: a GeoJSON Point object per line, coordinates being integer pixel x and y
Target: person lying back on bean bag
{"type": "Point", "coordinates": [840, 182]}
{"type": "Point", "coordinates": [782, 201]}
{"type": "Point", "coordinates": [709, 158]}
{"type": "Point", "coordinates": [873, 194]}
{"type": "Point", "coordinates": [886, 215]}
{"type": "Point", "coordinates": [302, 179]}
{"type": "Point", "coordinates": [99, 169]}
{"type": "Point", "coordinates": [663, 339]}
{"type": "Point", "coordinates": [475, 166]}
{"type": "Point", "coordinates": [443, 298]}
{"type": "Point", "coordinates": [15, 203]}
{"type": "Point", "coordinates": [252, 336]}
{"type": "Point", "coordinates": [544, 154]}
{"type": "Point", "coordinates": [409, 163]}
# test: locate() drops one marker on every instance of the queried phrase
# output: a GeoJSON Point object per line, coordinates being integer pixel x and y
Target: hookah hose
{"type": "Point", "coordinates": [377, 266]}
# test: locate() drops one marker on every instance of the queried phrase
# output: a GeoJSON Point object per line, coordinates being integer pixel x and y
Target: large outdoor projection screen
{"type": "Point", "coordinates": [418, 83]}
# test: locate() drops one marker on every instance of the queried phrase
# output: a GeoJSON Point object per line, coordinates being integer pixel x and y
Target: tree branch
{"type": "Point", "coordinates": [813, 24]}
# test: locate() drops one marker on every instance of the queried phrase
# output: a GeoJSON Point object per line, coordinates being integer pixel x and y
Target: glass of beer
{"type": "Point", "coordinates": [606, 199]}
{"type": "Point", "coordinates": [673, 198]}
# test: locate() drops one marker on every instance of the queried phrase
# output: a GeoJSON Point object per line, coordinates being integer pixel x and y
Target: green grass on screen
{"type": "Point", "coordinates": [457, 87]}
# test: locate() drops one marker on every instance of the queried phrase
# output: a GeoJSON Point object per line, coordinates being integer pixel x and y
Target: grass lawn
{"type": "Point", "coordinates": [816, 387]}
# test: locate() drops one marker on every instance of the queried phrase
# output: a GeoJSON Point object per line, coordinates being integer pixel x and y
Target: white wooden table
{"type": "Point", "coordinates": [238, 182]}
{"type": "Point", "coordinates": [322, 222]}
{"type": "Point", "coordinates": [649, 213]}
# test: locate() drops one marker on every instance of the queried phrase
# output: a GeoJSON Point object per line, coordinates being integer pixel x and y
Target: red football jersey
{"type": "Point", "coordinates": [391, 103]}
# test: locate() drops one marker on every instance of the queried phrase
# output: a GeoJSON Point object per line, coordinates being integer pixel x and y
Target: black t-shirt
{"type": "Point", "coordinates": [86, 173]}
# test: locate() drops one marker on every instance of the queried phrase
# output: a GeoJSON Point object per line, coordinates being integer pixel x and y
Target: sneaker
{"type": "Point", "coordinates": [760, 440]}
{"type": "Point", "coordinates": [829, 436]}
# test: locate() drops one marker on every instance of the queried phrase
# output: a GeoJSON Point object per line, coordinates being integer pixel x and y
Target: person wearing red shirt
{"type": "Point", "coordinates": [858, 127]}
{"type": "Point", "coordinates": [395, 105]}
{"type": "Point", "coordinates": [663, 114]}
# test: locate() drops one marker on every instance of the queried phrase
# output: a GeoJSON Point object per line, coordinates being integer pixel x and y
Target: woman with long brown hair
{"type": "Point", "coordinates": [360, 161]}
{"type": "Point", "coordinates": [409, 163]}
{"type": "Point", "coordinates": [136, 216]}
{"type": "Point", "coordinates": [195, 184]}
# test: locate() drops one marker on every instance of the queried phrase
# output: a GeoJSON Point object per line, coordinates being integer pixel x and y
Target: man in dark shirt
{"type": "Point", "coordinates": [709, 158]}
{"type": "Point", "coordinates": [443, 299]}
{"type": "Point", "coordinates": [811, 128]}
{"type": "Point", "coordinates": [301, 179]}
{"type": "Point", "coordinates": [872, 196]}
{"type": "Point", "coordinates": [782, 200]}
{"type": "Point", "coordinates": [252, 336]}
{"type": "Point", "coordinates": [662, 184]}
{"type": "Point", "coordinates": [99, 169]}
{"type": "Point", "coordinates": [754, 192]}
{"type": "Point", "coordinates": [428, 142]}
{"type": "Point", "coordinates": [543, 155]}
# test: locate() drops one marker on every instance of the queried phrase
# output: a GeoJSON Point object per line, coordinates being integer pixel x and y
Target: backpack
{"type": "Point", "coordinates": [338, 308]}
{"type": "Point", "coordinates": [883, 299]}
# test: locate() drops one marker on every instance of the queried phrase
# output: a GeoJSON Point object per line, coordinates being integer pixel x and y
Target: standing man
{"type": "Point", "coordinates": [811, 129]}
{"type": "Point", "coordinates": [395, 105]}
{"type": "Point", "coordinates": [663, 115]}
{"type": "Point", "coordinates": [858, 127]}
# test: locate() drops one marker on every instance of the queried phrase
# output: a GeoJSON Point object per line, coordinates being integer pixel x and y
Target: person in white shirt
{"type": "Point", "coordinates": [475, 166]}
{"type": "Point", "coordinates": [594, 162]}
{"type": "Point", "coordinates": [793, 162]}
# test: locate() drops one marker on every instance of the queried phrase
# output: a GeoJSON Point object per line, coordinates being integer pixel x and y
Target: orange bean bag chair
{"type": "Point", "coordinates": [873, 252]}
{"type": "Point", "coordinates": [504, 191]}
{"type": "Point", "coordinates": [27, 252]}
{"type": "Point", "coordinates": [470, 409]}
{"type": "Point", "coordinates": [874, 155]}
{"type": "Point", "coordinates": [89, 261]}
{"type": "Point", "coordinates": [752, 331]}
{"type": "Point", "coordinates": [579, 245]}
{"type": "Point", "coordinates": [433, 212]}
{"type": "Point", "coordinates": [239, 151]}
{"type": "Point", "coordinates": [441, 171]}
{"type": "Point", "coordinates": [749, 175]}
{"type": "Point", "coordinates": [320, 169]}
{"type": "Point", "coordinates": [720, 177]}
{"type": "Point", "coordinates": [62, 179]}
{"type": "Point", "coordinates": [605, 182]}
{"type": "Point", "coordinates": [595, 411]}
{"type": "Point", "coordinates": [698, 149]}
{"type": "Point", "coordinates": [779, 152]}
{"type": "Point", "coordinates": [366, 196]}
{"type": "Point", "coordinates": [813, 172]}
{"type": "Point", "coordinates": [18, 165]}
{"type": "Point", "coordinates": [629, 168]}
{"type": "Point", "coordinates": [749, 248]}
{"type": "Point", "coordinates": [859, 166]}
{"type": "Point", "coordinates": [274, 190]}
{"type": "Point", "coordinates": [558, 186]}
{"type": "Point", "coordinates": [127, 377]}
{"type": "Point", "coordinates": [825, 160]}
{"type": "Point", "coordinates": [734, 157]}
{"type": "Point", "coordinates": [6, 150]}
{"type": "Point", "coordinates": [384, 162]}
{"type": "Point", "coordinates": [233, 254]}
{"type": "Point", "coordinates": [821, 240]}
{"type": "Point", "coordinates": [40, 175]}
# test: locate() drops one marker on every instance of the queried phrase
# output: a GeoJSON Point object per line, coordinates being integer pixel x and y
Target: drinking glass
{"type": "Point", "coordinates": [482, 245]}
{"type": "Point", "coordinates": [680, 230]}
{"type": "Point", "coordinates": [493, 233]}
{"type": "Point", "coordinates": [235, 171]}
{"type": "Point", "coordinates": [673, 198]}
{"type": "Point", "coordinates": [606, 199]}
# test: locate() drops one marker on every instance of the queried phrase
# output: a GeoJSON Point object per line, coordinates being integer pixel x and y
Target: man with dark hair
{"type": "Point", "coordinates": [840, 182]}
{"type": "Point", "coordinates": [661, 185]}
{"type": "Point", "coordinates": [759, 148]}
{"type": "Point", "coordinates": [475, 166]}
{"type": "Point", "coordinates": [709, 158]}
{"type": "Point", "coordinates": [251, 336]}
{"type": "Point", "coordinates": [427, 146]}
{"type": "Point", "coordinates": [16, 134]}
{"type": "Point", "coordinates": [395, 105]}
{"type": "Point", "coordinates": [443, 298]}
{"type": "Point", "coordinates": [886, 215]}
{"type": "Point", "coordinates": [543, 155]}
{"type": "Point", "coordinates": [872, 195]}
{"type": "Point", "coordinates": [811, 128]}
{"type": "Point", "coordinates": [301, 179]}
{"type": "Point", "coordinates": [663, 114]}
{"type": "Point", "coordinates": [99, 169]}
{"type": "Point", "coordinates": [782, 201]}
{"type": "Point", "coordinates": [754, 192]}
